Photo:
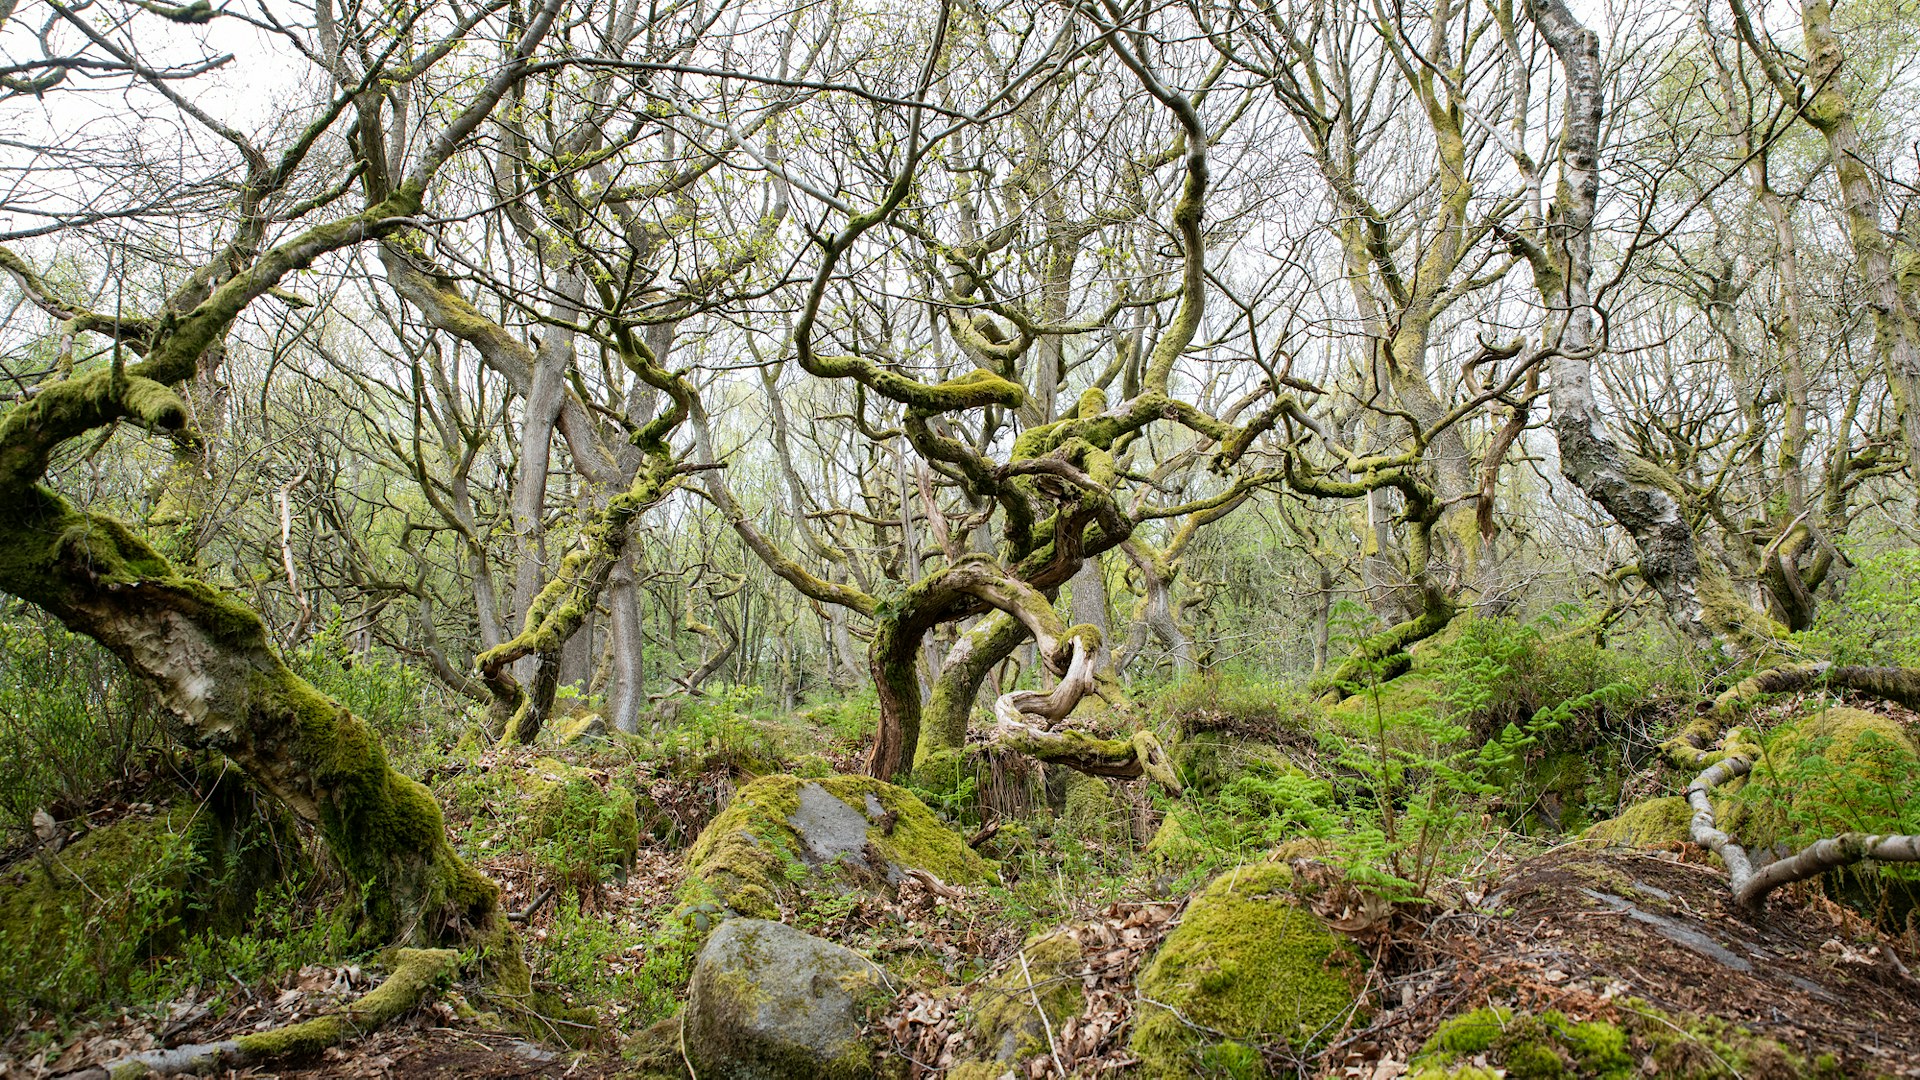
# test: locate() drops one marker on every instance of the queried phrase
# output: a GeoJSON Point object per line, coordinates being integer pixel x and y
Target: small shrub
{"type": "Point", "coordinates": [71, 719]}
{"type": "Point", "coordinates": [1876, 618]}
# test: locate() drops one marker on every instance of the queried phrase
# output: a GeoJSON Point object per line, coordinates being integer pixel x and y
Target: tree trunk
{"type": "Point", "coordinates": [626, 682]}
{"type": "Point", "coordinates": [1639, 495]}
{"type": "Point", "coordinates": [208, 659]}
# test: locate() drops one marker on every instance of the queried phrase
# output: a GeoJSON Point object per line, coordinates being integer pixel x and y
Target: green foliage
{"type": "Point", "coordinates": [1876, 619]}
{"type": "Point", "coordinates": [1234, 701]}
{"type": "Point", "coordinates": [1407, 776]}
{"type": "Point", "coordinates": [71, 720]}
{"type": "Point", "coordinates": [575, 829]}
{"type": "Point", "coordinates": [144, 909]}
{"type": "Point", "coordinates": [636, 974]}
{"type": "Point", "coordinates": [1841, 770]}
{"type": "Point", "coordinates": [733, 725]}
{"type": "Point", "coordinates": [398, 701]}
{"type": "Point", "coordinates": [1502, 672]}
{"type": "Point", "coordinates": [851, 720]}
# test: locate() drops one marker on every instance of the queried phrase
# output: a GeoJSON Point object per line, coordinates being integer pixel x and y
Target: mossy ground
{"type": "Point", "coordinates": [1657, 821]}
{"type": "Point", "coordinates": [1636, 1039]}
{"type": "Point", "coordinates": [1006, 1023]}
{"type": "Point", "coordinates": [1247, 967]}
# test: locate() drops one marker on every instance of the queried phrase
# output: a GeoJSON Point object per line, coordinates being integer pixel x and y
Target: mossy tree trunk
{"type": "Point", "coordinates": [206, 655]}
{"type": "Point", "coordinates": [1639, 495]}
{"type": "Point", "coordinates": [208, 658]}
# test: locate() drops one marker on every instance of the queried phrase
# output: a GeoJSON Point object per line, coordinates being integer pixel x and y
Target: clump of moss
{"type": "Point", "coordinates": [1173, 843]}
{"type": "Point", "coordinates": [83, 926]}
{"type": "Point", "coordinates": [576, 829]}
{"type": "Point", "coordinates": [1209, 760]}
{"type": "Point", "coordinates": [752, 855]}
{"type": "Point", "coordinates": [1089, 811]}
{"type": "Point", "coordinates": [1544, 1046]}
{"type": "Point", "coordinates": [1548, 1045]}
{"type": "Point", "coordinates": [1006, 1025]}
{"type": "Point", "coordinates": [1656, 821]}
{"type": "Point", "coordinates": [1234, 704]}
{"type": "Point", "coordinates": [1837, 771]}
{"type": "Point", "coordinates": [1252, 966]}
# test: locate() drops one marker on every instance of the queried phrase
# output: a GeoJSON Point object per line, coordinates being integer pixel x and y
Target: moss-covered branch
{"type": "Point", "coordinates": [415, 975]}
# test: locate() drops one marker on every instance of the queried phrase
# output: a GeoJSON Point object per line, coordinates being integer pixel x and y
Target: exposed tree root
{"type": "Point", "coordinates": [1751, 885]}
{"type": "Point", "coordinates": [1690, 746]}
{"type": "Point", "coordinates": [417, 973]}
{"type": "Point", "coordinates": [1026, 717]}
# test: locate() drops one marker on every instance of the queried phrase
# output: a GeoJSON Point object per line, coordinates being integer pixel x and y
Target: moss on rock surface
{"type": "Point", "coordinates": [1636, 1040]}
{"type": "Point", "coordinates": [78, 925]}
{"type": "Point", "coordinates": [780, 832]}
{"type": "Point", "coordinates": [1006, 1024]}
{"type": "Point", "coordinates": [1837, 771]}
{"type": "Point", "coordinates": [1209, 760]}
{"type": "Point", "coordinates": [1246, 967]}
{"type": "Point", "coordinates": [1654, 822]}
{"type": "Point", "coordinates": [1089, 811]}
{"type": "Point", "coordinates": [768, 1002]}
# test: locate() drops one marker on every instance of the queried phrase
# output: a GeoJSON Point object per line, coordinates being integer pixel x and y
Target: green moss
{"type": "Point", "coordinates": [1249, 964]}
{"type": "Point", "coordinates": [1840, 770]}
{"type": "Point", "coordinates": [1209, 760]}
{"type": "Point", "coordinates": [1005, 1023]}
{"type": "Point", "coordinates": [88, 924]}
{"type": "Point", "coordinates": [1172, 843]}
{"type": "Point", "coordinates": [1528, 1046]}
{"type": "Point", "coordinates": [1656, 821]}
{"type": "Point", "coordinates": [1531, 1047]}
{"type": "Point", "coordinates": [1389, 703]}
{"type": "Point", "coordinates": [416, 971]}
{"type": "Point", "coordinates": [575, 828]}
{"type": "Point", "coordinates": [1089, 812]}
{"type": "Point", "coordinates": [750, 857]}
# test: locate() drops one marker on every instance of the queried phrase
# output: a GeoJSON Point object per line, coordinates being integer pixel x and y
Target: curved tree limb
{"type": "Point", "coordinates": [414, 977]}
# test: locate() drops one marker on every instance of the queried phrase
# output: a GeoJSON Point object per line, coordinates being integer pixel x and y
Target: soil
{"type": "Point", "coordinates": [1584, 931]}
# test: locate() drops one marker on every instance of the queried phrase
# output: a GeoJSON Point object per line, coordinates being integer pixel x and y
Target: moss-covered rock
{"type": "Point", "coordinates": [576, 828]}
{"type": "Point", "coordinates": [1172, 843]}
{"type": "Point", "coordinates": [1637, 1039]}
{"type": "Point", "coordinates": [571, 730]}
{"type": "Point", "coordinates": [782, 831]}
{"type": "Point", "coordinates": [1089, 811]}
{"type": "Point", "coordinates": [1209, 760]}
{"type": "Point", "coordinates": [1249, 964]}
{"type": "Point", "coordinates": [1006, 1025]}
{"type": "Point", "coordinates": [77, 925]}
{"type": "Point", "coordinates": [768, 1002]}
{"type": "Point", "coordinates": [1389, 709]}
{"type": "Point", "coordinates": [1656, 821]}
{"type": "Point", "coordinates": [1837, 771]}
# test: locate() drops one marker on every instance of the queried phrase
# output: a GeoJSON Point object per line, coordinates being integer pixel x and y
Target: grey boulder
{"type": "Point", "coordinates": [768, 1002]}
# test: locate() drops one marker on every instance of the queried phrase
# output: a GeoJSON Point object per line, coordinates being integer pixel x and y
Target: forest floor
{"type": "Point", "coordinates": [1532, 923]}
